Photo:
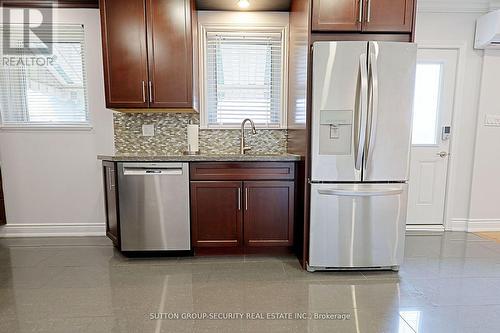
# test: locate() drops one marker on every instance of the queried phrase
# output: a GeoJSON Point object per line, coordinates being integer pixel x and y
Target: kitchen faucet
{"type": "Point", "coordinates": [243, 148]}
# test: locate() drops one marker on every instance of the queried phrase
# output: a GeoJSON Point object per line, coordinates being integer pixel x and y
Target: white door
{"type": "Point", "coordinates": [433, 108]}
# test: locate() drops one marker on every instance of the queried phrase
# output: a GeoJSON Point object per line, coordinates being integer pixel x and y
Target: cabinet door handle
{"type": "Point", "coordinates": [109, 180]}
{"type": "Point", "coordinates": [150, 91]}
{"type": "Point", "coordinates": [144, 91]}
{"type": "Point", "coordinates": [369, 11]}
{"type": "Point", "coordinates": [360, 16]}
{"type": "Point", "coordinates": [112, 178]}
{"type": "Point", "coordinates": [239, 198]}
{"type": "Point", "coordinates": [246, 198]}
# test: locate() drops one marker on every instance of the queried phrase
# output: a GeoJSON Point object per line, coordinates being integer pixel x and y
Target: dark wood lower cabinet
{"type": "Point", "coordinates": [3, 219]}
{"type": "Point", "coordinates": [216, 216]}
{"type": "Point", "coordinates": [269, 210]}
{"type": "Point", "coordinates": [252, 214]}
{"type": "Point", "coordinates": [242, 216]}
{"type": "Point", "coordinates": [111, 202]}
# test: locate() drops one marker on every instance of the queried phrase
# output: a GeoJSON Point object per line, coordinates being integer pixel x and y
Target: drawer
{"type": "Point", "coordinates": [242, 171]}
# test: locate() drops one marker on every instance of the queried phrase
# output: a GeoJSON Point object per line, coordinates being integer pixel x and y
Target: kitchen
{"type": "Point", "coordinates": [230, 146]}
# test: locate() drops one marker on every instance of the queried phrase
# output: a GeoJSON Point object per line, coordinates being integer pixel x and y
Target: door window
{"type": "Point", "coordinates": [426, 104]}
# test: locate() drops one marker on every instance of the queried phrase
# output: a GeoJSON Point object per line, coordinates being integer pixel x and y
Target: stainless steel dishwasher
{"type": "Point", "coordinates": [154, 206]}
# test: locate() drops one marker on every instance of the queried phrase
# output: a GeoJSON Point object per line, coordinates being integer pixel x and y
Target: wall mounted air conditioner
{"type": "Point", "coordinates": [488, 31]}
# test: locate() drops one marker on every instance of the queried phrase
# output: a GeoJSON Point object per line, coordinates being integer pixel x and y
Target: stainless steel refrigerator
{"type": "Point", "coordinates": [361, 129]}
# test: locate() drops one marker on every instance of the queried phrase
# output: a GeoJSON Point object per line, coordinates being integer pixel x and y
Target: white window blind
{"type": "Point", "coordinates": [244, 75]}
{"type": "Point", "coordinates": [45, 89]}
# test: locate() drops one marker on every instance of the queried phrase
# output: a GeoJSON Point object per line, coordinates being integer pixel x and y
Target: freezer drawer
{"type": "Point", "coordinates": [154, 206]}
{"type": "Point", "coordinates": [357, 225]}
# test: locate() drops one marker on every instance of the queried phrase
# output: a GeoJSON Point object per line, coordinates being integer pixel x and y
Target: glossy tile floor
{"type": "Point", "coordinates": [449, 283]}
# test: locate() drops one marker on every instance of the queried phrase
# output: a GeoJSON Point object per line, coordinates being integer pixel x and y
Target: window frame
{"type": "Point", "coordinates": [66, 125]}
{"type": "Point", "coordinates": [262, 28]}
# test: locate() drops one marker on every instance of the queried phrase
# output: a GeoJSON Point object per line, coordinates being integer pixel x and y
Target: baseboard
{"type": "Point", "coordinates": [477, 225]}
{"type": "Point", "coordinates": [474, 225]}
{"type": "Point", "coordinates": [458, 225]}
{"type": "Point", "coordinates": [53, 230]}
{"type": "Point", "coordinates": [425, 227]}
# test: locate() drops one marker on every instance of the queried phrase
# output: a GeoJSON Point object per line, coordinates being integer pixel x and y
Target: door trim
{"type": "Point", "coordinates": [456, 116]}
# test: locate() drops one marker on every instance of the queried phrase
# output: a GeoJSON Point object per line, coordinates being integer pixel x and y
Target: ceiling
{"type": "Point", "coordinates": [255, 5]}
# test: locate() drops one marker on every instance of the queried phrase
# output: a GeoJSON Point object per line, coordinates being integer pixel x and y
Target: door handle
{"type": "Point", "coordinates": [239, 198]}
{"type": "Point", "coordinates": [360, 15]}
{"type": "Point", "coordinates": [143, 91]}
{"type": "Point", "coordinates": [361, 193]}
{"type": "Point", "coordinates": [362, 112]}
{"type": "Point", "coordinates": [373, 105]}
{"type": "Point", "coordinates": [150, 86]}
{"type": "Point", "coordinates": [369, 11]}
{"type": "Point", "coordinates": [442, 154]}
{"type": "Point", "coordinates": [110, 180]}
{"type": "Point", "coordinates": [246, 198]}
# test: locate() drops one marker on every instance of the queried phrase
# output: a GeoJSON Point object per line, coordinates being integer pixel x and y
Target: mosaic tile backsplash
{"type": "Point", "coordinates": [171, 136]}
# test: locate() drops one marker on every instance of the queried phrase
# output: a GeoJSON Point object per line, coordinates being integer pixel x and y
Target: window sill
{"type": "Point", "coordinates": [54, 128]}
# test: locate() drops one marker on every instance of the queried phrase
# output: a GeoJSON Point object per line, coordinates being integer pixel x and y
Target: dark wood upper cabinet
{"type": "Point", "coordinates": [170, 53]}
{"type": "Point", "coordinates": [148, 53]}
{"type": "Point", "coordinates": [388, 16]}
{"type": "Point", "coordinates": [336, 15]}
{"type": "Point", "coordinates": [269, 211]}
{"type": "Point", "coordinates": [125, 53]}
{"type": "Point", "coordinates": [216, 214]}
{"type": "Point", "coordinates": [371, 16]}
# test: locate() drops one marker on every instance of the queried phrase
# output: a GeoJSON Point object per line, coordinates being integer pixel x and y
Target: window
{"type": "Point", "coordinates": [426, 105]}
{"type": "Point", "coordinates": [45, 89]}
{"type": "Point", "coordinates": [244, 78]}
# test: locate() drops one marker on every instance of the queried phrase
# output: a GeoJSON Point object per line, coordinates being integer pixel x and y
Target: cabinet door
{"type": "Point", "coordinates": [336, 15]}
{"type": "Point", "coordinates": [110, 195]}
{"type": "Point", "coordinates": [124, 51]}
{"type": "Point", "coordinates": [170, 53]}
{"type": "Point", "coordinates": [216, 216]}
{"type": "Point", "coordinates": [3, 219]}
{"type": "Point", "coordinates": [388, 16]}
{"type": "Point", "coordinates": [269, 209]}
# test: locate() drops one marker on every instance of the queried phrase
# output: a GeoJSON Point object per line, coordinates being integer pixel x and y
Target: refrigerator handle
{"type": "Point", "coordinates": [361, 193]}
{"type": "Point", "coordinates": [362, 109]}
{"type": "Point", "coordinates": [373, 105]}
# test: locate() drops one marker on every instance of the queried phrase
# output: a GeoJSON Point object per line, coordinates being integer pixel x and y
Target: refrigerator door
{"type": "Point", "coordinates": [357, 225]}
{"type": "Point", "coordinates": [391, 71]}
{"type": "Point", "coordinates": [339, 110]}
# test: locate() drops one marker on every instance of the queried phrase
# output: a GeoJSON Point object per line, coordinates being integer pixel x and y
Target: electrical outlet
{"type": "Point", "coordinates": [492, 120]}
{"type": "Point", "coordinates": [148, 130]}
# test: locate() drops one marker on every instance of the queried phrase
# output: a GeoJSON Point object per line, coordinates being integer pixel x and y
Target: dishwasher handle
{"type": "Point", "coordinates": [152, 171]}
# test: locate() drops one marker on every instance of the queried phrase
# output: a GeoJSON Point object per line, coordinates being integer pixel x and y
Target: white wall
{"type": "Point", "coordinates": [52, 179]}
{"type": "Point", "coordinates": [485, 193]}
{"type": "Point", "coordinates": [475, 191]}
{"type": "Point", "coordinates": [458, 28]}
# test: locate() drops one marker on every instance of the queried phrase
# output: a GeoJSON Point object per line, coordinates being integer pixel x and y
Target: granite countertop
{"type": "Point", "coordinates": [200, 158]}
